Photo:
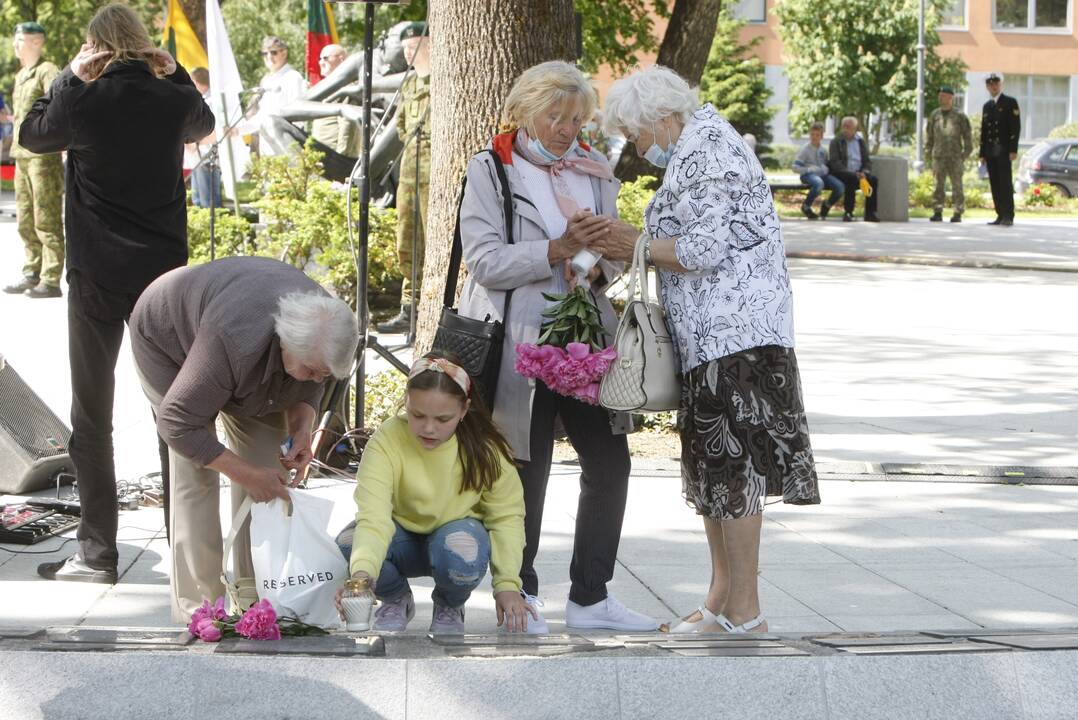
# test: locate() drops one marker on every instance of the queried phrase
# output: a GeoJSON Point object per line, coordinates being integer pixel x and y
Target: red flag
{"type": "Point", "coordinates": [321, 31]}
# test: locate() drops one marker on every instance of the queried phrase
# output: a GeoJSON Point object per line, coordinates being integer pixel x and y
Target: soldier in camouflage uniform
{"type": "Point", "coordinates": [39, 179]}
{"type": "Point", "coordinates": [413, 129]}
{"type": "Point", "coordinates": [949, 142]}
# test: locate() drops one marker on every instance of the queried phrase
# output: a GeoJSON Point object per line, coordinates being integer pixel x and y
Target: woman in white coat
{"type": "Point", "coordinates": [564, 198]}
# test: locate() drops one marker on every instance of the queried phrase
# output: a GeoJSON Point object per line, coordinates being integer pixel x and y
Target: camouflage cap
{"type": "Point", "coordinates": [414, 29]}
{"type": "Point", "coordinates": [947, 89]}
{"type": "Point", "coordinates": [29, 28]}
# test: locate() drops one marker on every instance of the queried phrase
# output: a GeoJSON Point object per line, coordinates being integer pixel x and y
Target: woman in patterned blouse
{"type": "Point", "coordinates": [713, 232]}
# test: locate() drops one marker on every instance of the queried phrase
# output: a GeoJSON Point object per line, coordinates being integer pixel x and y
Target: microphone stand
{"type": "Point", "coordinates": [211, 160]}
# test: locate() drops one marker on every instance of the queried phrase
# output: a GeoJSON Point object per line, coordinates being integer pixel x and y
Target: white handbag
{"type": "Point", "coordinates": [644, 375]}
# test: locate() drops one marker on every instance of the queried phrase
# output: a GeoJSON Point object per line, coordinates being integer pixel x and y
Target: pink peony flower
{"type": "Point", "coordinates": [259, 622]}
{"type": "Point", "coordinates": [588, 394]}
{"type": "Point", "coordinates": [207, 612]}
{"type": "Point", "coordinates": [207, 631]}
{"type": "Point", "coordinates": [578, 351]}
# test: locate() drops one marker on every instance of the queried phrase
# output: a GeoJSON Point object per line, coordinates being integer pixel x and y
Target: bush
{"type": "Point", "coordinates": [634, 198]}
{"type": "Point", "coordinates": [922, 187]}
{"type": "Point", "coordinates": [232, 235]}
{"type": "Point", "coordinates": [383, 393]}
{"type": "Point", "coordinates": [660, 422]}
{"type": "Point", "coordinates": [1041, 195]}
{"type": "Point", "coordinates": [307, 225]}
{"type": "Point", "coordinates": [1070, 130]}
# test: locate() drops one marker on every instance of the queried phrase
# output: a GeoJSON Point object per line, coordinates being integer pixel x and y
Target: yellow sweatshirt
{"type": "Point", "coordinates": [400, 479]}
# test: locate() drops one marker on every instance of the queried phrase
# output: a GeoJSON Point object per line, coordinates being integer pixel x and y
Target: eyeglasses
{"type": "Point", "coordinates": [326, 58]}
{"type": "Point", "coordinates": [271, 52]}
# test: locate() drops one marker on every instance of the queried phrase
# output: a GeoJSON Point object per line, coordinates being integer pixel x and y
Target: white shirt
{"type": "Point", "coordinates": [541, 192]}
{"type": "Point", "coordinates": [281, 88]}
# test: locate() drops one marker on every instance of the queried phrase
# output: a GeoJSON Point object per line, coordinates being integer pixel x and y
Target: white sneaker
{"type": "Point", "coordinates": [536, 626]}
{"type": "Point", "coordinates": [607, 614]}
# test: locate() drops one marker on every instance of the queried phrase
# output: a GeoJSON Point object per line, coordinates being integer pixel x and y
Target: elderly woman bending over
{"type": "Point", "coordinates": [712, 231]}
{"type": "Point", "coordinates": [249, 342]}
{"type": "Point", "coordinates": [563, 196]}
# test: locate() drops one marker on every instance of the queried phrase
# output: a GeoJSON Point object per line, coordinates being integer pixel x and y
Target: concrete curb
{"type": "Point", "coordinates": [1003, 684]}
{"type": "Point", "coordinates": [931, 261]}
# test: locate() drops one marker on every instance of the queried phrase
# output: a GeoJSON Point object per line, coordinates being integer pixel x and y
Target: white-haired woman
{"type": "Point", "coordinates": [713, 232]}
{"type": "Point", "coordinates": [250, 341]}
{"type": "Point", "coordinates": [564, 198]}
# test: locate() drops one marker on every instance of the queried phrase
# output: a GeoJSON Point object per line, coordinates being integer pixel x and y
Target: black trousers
{"type": "Point", "coordinates": [96, 318]}
{"type": "Point", "coordinates": [853, 183]}
{"type": "Point", "coordinates": [604, 484]}
{"type": "Point", "coordinates": [999, 177]}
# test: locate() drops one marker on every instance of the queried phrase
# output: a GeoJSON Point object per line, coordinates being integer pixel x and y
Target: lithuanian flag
{"type": "Point", "coordinates": [321, 31]}
{"type": "Point", "coordinates": [180, 39]}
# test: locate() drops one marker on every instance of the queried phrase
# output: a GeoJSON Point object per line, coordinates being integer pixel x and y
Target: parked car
{"type": "Point", "coordinates": [1052, 161]}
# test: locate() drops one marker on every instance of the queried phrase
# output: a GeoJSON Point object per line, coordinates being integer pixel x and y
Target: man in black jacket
{"type": "Point", "coordinates": [122, 110]}
{"type": "Point", "coordinates": [1001, 125]}
{"type": "Point", "coordinates": [848, 160]}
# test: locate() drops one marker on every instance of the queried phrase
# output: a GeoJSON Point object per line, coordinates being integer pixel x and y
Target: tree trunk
{"type": "Point", "coordinates": [685, 48]}
{"type": "Point", "coordinates": [478, 49]}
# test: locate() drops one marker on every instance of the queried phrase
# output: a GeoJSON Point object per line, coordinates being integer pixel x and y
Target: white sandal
{"type": "Point", "coordinates": [744, 627]}
{"type": "Point", "coordinates": [685, 626]}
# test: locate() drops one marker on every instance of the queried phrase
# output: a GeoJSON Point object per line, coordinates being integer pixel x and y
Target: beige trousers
{"type": "Point", "coordinates": [194, 511]}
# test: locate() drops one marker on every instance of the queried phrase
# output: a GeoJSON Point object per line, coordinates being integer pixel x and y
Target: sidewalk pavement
{"type": "Point", "coordinates": [1050, 245]}
{"type": "Point", "coordinates": [891, 374]}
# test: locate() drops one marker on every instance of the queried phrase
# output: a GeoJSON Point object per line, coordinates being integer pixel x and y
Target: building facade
{"type": "Point", "coordinates": [1034, 43]}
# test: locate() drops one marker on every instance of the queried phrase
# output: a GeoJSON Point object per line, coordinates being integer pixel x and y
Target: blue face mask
{"type": "Point", "coordinates": [537, 147]}
{"type": "Point", "coordinates": [657, 156]}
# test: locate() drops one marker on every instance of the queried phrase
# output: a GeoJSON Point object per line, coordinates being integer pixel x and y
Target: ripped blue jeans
{"type": "Point", "coordinates": [455, 555]}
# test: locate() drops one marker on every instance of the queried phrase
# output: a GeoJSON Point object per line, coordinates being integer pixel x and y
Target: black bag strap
{"type": "Point", "coordinates": [457, 252]}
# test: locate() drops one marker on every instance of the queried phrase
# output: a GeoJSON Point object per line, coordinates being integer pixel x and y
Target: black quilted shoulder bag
{"type": "Point", "coordinates": [476, 343]}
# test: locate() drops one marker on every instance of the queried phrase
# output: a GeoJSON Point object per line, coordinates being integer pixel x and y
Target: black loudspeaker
{"type": "Point", "coordinates": [33, 441]}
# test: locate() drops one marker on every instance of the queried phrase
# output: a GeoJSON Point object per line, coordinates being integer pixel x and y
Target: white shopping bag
{"type": "Point", "coordinates": [298, 566]}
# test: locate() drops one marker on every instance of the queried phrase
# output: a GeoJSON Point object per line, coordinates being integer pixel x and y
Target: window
{"type": "Point", "coordinates": [1057, 153]}
{"type": "Point", "coordinates": [1043, 100]}
{"type": "Point", "coordinates": [1031, 14]}
{"type": "Point", "coordinates": [1072, 156]}
{"type": "Point", "coordinates": [954, 15]}
{"type": "Point", "coordinates": [751, 10]}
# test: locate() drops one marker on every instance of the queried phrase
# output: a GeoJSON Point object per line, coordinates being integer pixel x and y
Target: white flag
{"type": "Point", "coordinates": [225, 89]}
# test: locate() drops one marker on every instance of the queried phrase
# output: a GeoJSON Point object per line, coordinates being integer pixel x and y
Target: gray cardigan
{"type": "Point", "coordinates": [495, 266]}
{"type": "Point", "coordinates": [811, 159]}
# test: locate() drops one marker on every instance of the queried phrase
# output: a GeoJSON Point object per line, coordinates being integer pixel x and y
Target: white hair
{"type": "Point", "coordinates": [849, 119]}
{"type": "Point", "coordinates": [316, 328]}
{"type": "Point", "coordinates": [644, 98]}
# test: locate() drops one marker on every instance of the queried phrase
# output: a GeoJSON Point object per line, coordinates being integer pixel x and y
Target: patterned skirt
{"type": "Point", "coordinates": [744, 434]}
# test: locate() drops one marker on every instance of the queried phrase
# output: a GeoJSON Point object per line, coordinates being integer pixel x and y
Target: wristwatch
{"type": "Point", "coordinates": [647, 250]}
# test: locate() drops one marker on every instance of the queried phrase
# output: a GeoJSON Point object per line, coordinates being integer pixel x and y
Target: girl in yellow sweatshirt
{"type": "Point", "coordinates": [438, 496]}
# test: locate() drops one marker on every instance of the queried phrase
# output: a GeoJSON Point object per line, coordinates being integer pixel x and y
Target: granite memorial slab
{"type": "Point", "coordinates": [509, 640]}
{"type": "Point", "coordinates": [841, 641]}
{"type": "Point", "coordinates": [732, 650]}
{"type": "Point", "coordinates": [1040, 641]}
{"type": "Point", "coordinates": [924, 648]}
{"type": "Point", "coordinates": [321, 645]}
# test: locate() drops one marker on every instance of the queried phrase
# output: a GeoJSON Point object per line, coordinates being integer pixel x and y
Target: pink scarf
{"type": "Point", "coordinates": [585, 166]}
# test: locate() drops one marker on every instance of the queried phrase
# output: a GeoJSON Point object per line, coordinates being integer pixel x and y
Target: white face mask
{"type": "Point", "coordinates": [656, 155]}
{"type": "Point", "coordinates": [537, 147]}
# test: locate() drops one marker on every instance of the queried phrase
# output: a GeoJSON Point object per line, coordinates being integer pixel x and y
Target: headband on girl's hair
{"type": "Point", "coordinates": [455, 372]}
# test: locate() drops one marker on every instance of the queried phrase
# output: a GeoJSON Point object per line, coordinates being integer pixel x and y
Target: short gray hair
{"type": "Point", "coordinates": [318, 328]}
{"type": "Point", "coordinates": [849, 119]}
{"type": "Point", "coordinates": [646, 97]}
